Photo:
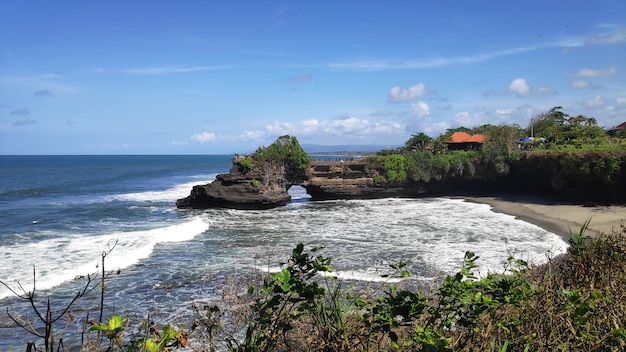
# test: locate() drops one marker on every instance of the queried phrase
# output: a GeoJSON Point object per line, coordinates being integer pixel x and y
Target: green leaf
{"type": "Point", "coordinates": [115, 322]}
{"type": "Point", "coordinates": [151, 345]}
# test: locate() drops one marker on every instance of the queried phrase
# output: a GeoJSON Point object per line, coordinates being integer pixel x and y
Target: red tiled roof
{"type": "Point", "coordinates": [462, 137]}
{"type": "Point", "coordinates": [477, 138]}
{"type": "Point", "coordinates": [620, 126]}
{"type": "Point", "coordinates": [459, 137]}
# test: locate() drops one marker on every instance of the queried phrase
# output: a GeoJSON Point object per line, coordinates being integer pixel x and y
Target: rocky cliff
{"type": "Point", "coordinates": [262, 187]}
{"type": "Point", "coordinates": [598, 177]}
{"type": "Point", "coordinates": [351, 180]}
{"type": "Point", "coordinates": [266, 185]}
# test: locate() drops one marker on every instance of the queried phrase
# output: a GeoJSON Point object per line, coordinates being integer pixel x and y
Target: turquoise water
{"type": "Point", "coordinates": [60, 212]}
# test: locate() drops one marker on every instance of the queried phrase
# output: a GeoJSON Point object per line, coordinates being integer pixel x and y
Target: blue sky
{"type": "Point", "coordinates": [220, 77]}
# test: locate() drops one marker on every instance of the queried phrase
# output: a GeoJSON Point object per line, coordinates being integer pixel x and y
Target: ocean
{"type": "Point", "coordinates": [60, 213]}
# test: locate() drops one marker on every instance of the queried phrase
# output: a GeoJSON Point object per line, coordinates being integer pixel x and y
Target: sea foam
{"type": "Point", "coordinates": [167, 195]}
{"type": "Point", "coordinates": [62, 259]}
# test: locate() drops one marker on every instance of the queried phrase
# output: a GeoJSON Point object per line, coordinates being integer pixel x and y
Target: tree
{"type": "Point", "coordinates": [546, 124]}
{"type": "Point", "coordinates": [591, 122]}
{"type": "Point", "coordinates": [418, 141]}
{"type": "Point", "coordinates": [504, 138]}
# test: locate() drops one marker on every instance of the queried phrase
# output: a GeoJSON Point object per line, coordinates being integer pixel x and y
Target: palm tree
{"type": "Point", "coordinates": [591, 121]}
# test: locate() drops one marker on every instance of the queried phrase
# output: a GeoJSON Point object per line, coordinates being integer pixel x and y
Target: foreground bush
{"type": "Point", "coordinates": [575, 302]}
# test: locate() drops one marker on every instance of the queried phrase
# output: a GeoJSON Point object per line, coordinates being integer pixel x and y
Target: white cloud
{"type": "Point", "coordinates": [520, 87]}
{"type": "Point", "coordinates": [581, 84]}
{"type": "Point", "coordinates": [381, 113]}
{"type": "Point", "coordinates": [421, 110]}
{"type": "Point", "coordinates": [377, 65]}
{"type": "Point", "coordinates": [596, 101]}
{"type": "Point", "coordinates": [520, 115]}
{"type": "Point", "coordinates": [608, 38]}
{"type": "Point", "coordinates": [436, 128]}
{"type": "Point", "coordinates": [343, 129]}
{"type": "Point", "coordinates": [591, 73]}
{"type": "Point", "coordinates": [179, 143]}
{"type": "Point", "coordinates": [203, 137]}
{"type": "Point", "coordinates": [248, 136]}
{"type": "Point", "coordinates": [276, 129]}
{"type": "Point", "coordinates": [399, 95]}
{"type": "Point", "coordinates": [504, 112]}
{"type": "Point", "coordinates": [353, 125]}
{"type": "Point", "coordinates": [423, 121]}
{"type": "Point", "coordinates": [612, 37]}
{"type": "Point", "coordinates": [461, 116]}
{"type": "Point", "coordinates": [544, 90]}
{"type": "Point", "coordinates": [466, 119]}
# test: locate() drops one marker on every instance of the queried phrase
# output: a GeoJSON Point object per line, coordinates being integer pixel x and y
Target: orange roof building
{"type": "Point", "coordinates": [465, 141]}
{"type": "Point", "coordinates": [476, 138]}
{"type": "Point", "coordinates": [459, 137]}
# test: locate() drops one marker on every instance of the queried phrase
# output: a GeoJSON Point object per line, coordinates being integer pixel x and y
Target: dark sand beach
{"type": "Point", "coordinates": [557, 216]}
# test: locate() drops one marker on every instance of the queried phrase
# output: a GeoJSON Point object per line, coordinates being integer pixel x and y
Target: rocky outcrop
{"type": "Point", "coordinates": [351, 180]}
{"type": "Point", "coordinates": [264, 186]}
{"type": "Point", "coordinates": [575, 177]}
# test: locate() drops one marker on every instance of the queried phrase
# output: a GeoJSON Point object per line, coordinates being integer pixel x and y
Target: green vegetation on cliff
{"type": "Point", "coordinates": [285, 150]}
{"type": "Point", "coordinates": [563, 153]}
{"type": "Point", "coordinates": [423, 166]}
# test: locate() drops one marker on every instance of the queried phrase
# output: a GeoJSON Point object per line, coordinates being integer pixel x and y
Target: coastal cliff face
{"type": "Point", "coordinates": [352, 180]}
{"type": "Point", "coordinates": [266, 185]}
{"type": "Point", "coordinates": [574, 177]}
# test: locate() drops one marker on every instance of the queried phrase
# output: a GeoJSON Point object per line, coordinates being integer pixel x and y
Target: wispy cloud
{"type": "Point", "coordinates": [376, 65]}
{"type": "Point", "coordinates": [590, 73]}
{"type": "Point", "coordinates": [614, 37]}
{"type": "Point", "coordinates": [42, 93]}
{"type": "Point", "coordinates": [381, 113]}
{"type": "Point", "coordinates": [608, 38]}
{"type": "Point", "coordinates": [24, 120]}
{"type": "Point", "coordinates": [165, 70]}
{"type": "Point", "coordinates": [21, 111]}
{"type": "Point", "coordinates": [301, 78]}
{"type": "Point", "coordinates": [40, 84]}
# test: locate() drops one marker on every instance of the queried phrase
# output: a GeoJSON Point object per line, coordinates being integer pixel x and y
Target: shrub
{"type": "Point", "coordinates": [246, 163]}
{"type": "Point", "coordinates": [287, 150]}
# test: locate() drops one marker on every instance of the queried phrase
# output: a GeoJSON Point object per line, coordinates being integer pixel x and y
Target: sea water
{"type": "Point", "coordinates": [59, 214]}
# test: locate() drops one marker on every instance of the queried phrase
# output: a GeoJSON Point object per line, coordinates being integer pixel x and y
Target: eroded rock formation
{"type": "Point", "coordinates": [350, 180]}
{"type": "Point", "coordinates": [262, 187]}
{"type": "Point", "coordinates": [266, 185]}
{"type": "Point", "coordinates": [581, 177]}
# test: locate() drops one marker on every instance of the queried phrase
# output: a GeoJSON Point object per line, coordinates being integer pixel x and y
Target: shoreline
{"type": "Point", "coordinates": [555, 216]}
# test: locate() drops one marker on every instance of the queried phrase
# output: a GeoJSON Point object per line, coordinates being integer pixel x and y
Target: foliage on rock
{"type": "Point", "coordinates": [285, 150]}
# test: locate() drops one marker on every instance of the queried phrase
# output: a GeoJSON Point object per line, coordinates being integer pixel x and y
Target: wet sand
{"type": "Point", "coordinates": [555, 216]}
